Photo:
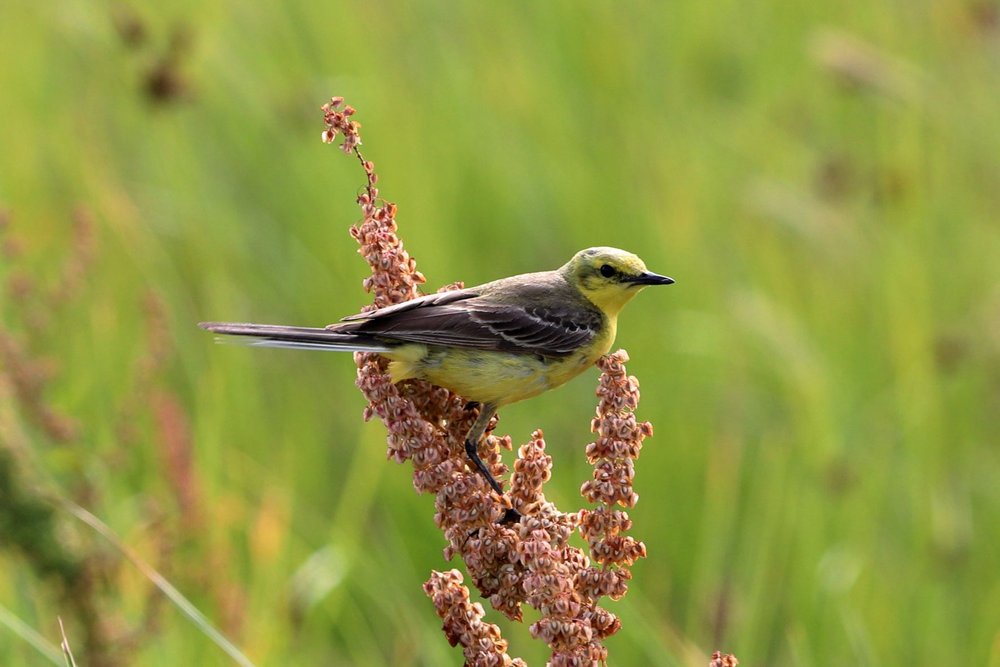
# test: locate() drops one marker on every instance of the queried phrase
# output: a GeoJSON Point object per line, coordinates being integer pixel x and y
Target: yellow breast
{"type": "Point", "coordinates": [494, 377]}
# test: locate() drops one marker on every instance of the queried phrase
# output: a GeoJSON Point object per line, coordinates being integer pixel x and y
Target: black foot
{"type": "Point", "coordinates": [510, 516]}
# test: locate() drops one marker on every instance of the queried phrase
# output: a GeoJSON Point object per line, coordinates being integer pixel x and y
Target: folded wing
{"type": "Point", "coordinates": [466, 319]}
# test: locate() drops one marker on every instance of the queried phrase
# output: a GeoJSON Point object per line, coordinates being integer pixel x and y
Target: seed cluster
{"type": "Point", "coordinates": [530, 561]}
{"type": "Point", "coordinates": [481, 642]}
{"type": "Point", "coordinates": [619, 440]}
{"type": "Point", "coordinates": [394, 273]}
{"type": "Point", "coordinates": [723, 660]}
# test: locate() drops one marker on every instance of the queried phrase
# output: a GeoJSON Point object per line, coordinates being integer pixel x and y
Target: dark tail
{"type": "Point", "coordinates": [296, 338]}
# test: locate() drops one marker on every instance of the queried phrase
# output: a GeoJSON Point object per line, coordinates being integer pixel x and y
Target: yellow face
{"type": "Point", "coordinates": [610, 277]}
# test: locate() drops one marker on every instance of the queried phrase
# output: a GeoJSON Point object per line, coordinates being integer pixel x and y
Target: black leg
{"type": "Point", "coordinates": [471, 450]}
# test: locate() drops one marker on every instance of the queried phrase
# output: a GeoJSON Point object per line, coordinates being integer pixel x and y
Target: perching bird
{"type": "Point", "coordinates": [494, 344]}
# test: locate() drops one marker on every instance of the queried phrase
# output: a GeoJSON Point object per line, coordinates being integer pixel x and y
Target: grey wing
{"type": "Point", "coordinates": [463, 319]}
{"type": "Point", "coordinates": [426, 301]}
{"type": "Point", "coordinates": [551, 331]}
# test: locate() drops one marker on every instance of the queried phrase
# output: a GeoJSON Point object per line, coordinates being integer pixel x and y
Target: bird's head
{"type": "Point", "coordinates": [609, 277]}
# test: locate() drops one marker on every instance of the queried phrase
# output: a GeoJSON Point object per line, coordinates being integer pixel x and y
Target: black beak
{"type": "Point", "coordinates": [647, 278]}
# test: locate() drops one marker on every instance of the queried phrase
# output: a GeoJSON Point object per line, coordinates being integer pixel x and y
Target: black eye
{"type": "Point", "coordinates": [607, 270]}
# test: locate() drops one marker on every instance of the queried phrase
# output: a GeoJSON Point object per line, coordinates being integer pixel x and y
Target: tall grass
{"type": "Point", "coordinates": [824, 378]}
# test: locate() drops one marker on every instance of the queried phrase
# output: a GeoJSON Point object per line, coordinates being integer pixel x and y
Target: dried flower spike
{"type": "Point", "coordinates": [463, 625]}
{"type": "Point", "coordinates": [529, 561]}
{"type": "Point", "coordinates": [720, 660]}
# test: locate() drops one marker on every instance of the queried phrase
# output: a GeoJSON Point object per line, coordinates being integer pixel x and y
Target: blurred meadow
{"type": "Point", "coordinates": [822, 179]}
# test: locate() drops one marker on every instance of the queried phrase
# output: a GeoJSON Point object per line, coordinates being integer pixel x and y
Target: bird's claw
{"type": "Point", "coordinates": [510, 515]}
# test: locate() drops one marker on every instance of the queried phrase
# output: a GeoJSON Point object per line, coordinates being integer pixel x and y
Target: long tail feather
{"type": "Point", "coordinates": [296, 338]}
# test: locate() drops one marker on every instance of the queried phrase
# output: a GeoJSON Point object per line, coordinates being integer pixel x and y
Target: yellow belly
{"type": "Point", "coordinates": [492, 377]}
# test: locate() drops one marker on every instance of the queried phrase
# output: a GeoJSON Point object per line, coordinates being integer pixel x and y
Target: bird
{"type": "Point", "coordinates": [493, 344]}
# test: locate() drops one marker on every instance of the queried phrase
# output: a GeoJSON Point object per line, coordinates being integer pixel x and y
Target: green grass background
{"type": "Point", "coordinates": [822, 179]}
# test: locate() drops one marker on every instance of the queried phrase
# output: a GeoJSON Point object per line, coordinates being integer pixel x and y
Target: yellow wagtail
{"type": "Point", "coordinates": [494, 344]}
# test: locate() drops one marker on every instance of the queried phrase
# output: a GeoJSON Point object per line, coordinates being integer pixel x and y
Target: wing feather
{"type": "Point", "coordinates": [469, 319]}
